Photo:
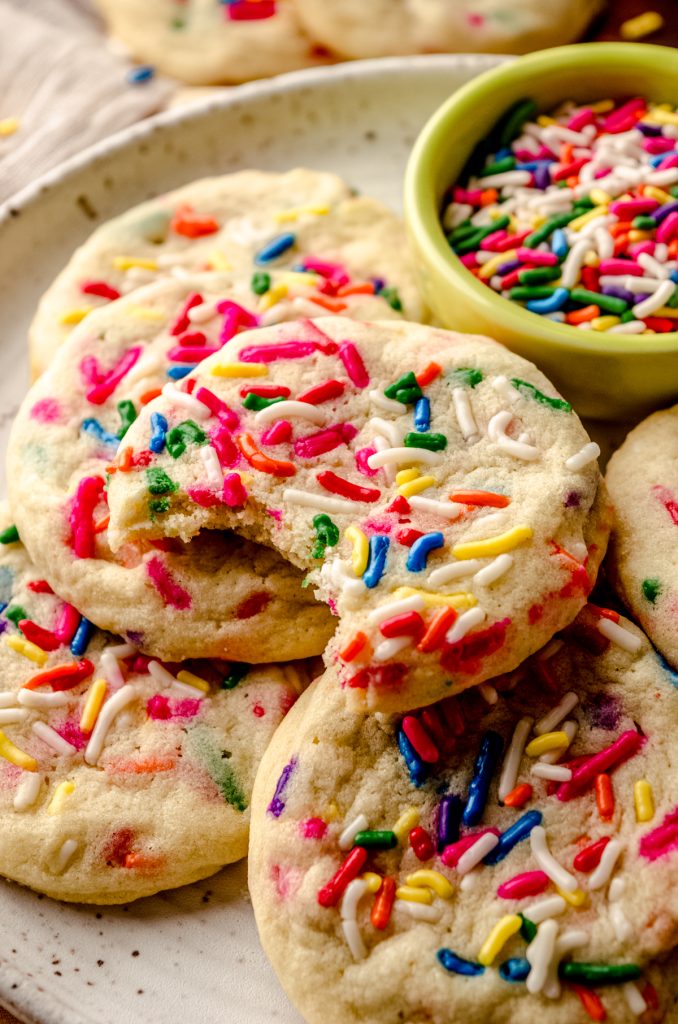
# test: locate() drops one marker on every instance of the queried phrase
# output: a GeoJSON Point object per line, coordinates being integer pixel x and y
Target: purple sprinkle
{"type": "Point", "coordinates": [649, 129]}
{"type": "Point", "coordinates": [662, 213]}
{"type": "Point", "coordinates": [604, 711]}
{"type": "Point", "coordinates": [277, 805]}
{"type": "Point", "coordinates": [3, 625]}
{"type": "Point", "coordinates": [135, 638]}
{"type": "Point", "coordinates": [508, 268]}
{"type": "Point", "coordinates": [617, 292]}
{"type": "Point", "coordinates": [449, 816]}
{"type": "Point", "coordinates": [542, 177]}
{"type": "Point", "coordinates": [573, 499]}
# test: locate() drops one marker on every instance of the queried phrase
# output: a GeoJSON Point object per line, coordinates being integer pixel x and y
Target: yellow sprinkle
{"type": "Point", "coordinates": [361, 548]}
{"type": "Point", "coordinates": [144, 313]}
{"type": "Point", "coordinates": [544, 120]}
{"type": "Point", "coordinates": [373, 881]}
{"type": "Point", "coordinates": [549, 741]}
{"type": "Point", "coordinates": [457, 601]}
{"type": "Point", "coordinates": [331, 812]}
{"type": "Point", "coordinates": [498, 937]}
{"type": "Point", "coordinates": [578, 898]}
{"type": "Point", "coordinates": [192, 680]}
{"type": "Point", "coordinates": [240, 370]}
{"type": "Point", "coordinates": [660, 116]}
{"type": "Point", "coordinates": [15, 756]}
{"type": "Point", "coordinates": [9, 125]}
{"type": "Point", "coordinates": [93, 702]}
{"type": "Point", "coordinates": [599, 197]}
{"type": "Point", "coordinates": [408, 820]}
{"type": "Point", "coordinates": [432, 880]}
{"type": "Point", "coordinates": [299, 279]}
{"type": "Point", "coordinates": [657, 193]}
{"type": "Point", "coordinates": [415, 486]}
{"type": "Point", "coordinates": [29, 650]}
{"type": "Point", "coordinates": [61, 795]}
{"type": "Point", "coordinates": [580, 222]}
{"type": "Point", "coordinates": [644, 800]}
{"type": "Point", "coordinates": [538, 220]}
{"type": "Point", "coordinates": [218, 261]}
{"type": "Point", "coordinates": [404, 476]}
{"type": "Point", "coordinates": [297, 211]}
{"type": "Point", "coordinates": [74, 316]}
{"type": "Point", "coordinates": [666, 311]}
{"type": "Point", "coordinates": [592, 259]}
{"type": "Point", "coordinates": [602, 106]}
{"type": "Point", "coordinates": [603, 323]}
{"type": "Point", "coordinates": [488, 269]}
{"type": "Point", "coordinates": [127, 262]}
{"type": "Point", "coordinates": [493, 545]}
{"type": "Point", "coordinates": [414, 894]}
{"type": "Point", "coordinates": [635, 235]}
{"type": "Point", "coordinates": [272, 297]}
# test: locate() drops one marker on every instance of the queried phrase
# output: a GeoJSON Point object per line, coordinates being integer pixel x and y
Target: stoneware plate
{"type": "Point", "coordinates": [190, 955]}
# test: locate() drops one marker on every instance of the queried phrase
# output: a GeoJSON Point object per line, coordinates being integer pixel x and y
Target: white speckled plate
{"type": "Point", "coordinates": [191, 956]}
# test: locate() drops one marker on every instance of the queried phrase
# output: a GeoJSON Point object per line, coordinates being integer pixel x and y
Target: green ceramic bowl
{"type": "Point", "coordinates": [606, 376]}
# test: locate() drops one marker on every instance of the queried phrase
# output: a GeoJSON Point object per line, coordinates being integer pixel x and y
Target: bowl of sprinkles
{"type": "Point", "coordinates": [542, 203]}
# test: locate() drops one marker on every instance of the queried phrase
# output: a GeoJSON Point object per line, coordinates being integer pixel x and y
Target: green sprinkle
{"type": "Point", "coordinates": [15, 613]}
{"type": "Point", "coordinates": [514, 119]}
{"type": "Point", "coordinates": [528, 390]}
{"type": "Point", "coordinates": [306, 582]}
{"type": "Point", "coordinates": [672, 303]}
{"type": "Point", "coordinates": [9, 536]}
{"type": "Point", "coordinates": [474, 240]}
{"type": "Point", "coordinates": [674, 191]}
{"type": "Point", "coordinates": [546, 230]}
{"type": "Point", "coordinates": [157, 506]}
{"type": "Point", "coordinates": [215, 761]}
{"type": "Point", "coordinates": [583, 204]}
{"type": "Point", "coordinates": [372, 840]}
{"type": "Point", "coordinates": [628, 316]}
{"type": "Point", "coordinates": [177, 23]}
{"type": "Point", "coordinates": [498, 167]}
{"type": "Point", "coordinates": [183, 434]}
{"type": "Point", "coordinates": [539, 275]}
{"type": "Point", "coordinates": [328, 535]}
{"type": "Point", "coordinates": [391, 296]}
{"type": "Point", "coordinates": [599, 974]}
{"type": "Point", "coordinates": [434, 442]}
{"type": "Point", "coordinates": [128, 414]}
{"type": "Point", "coordinates": [651, 589]}
{"type": "Point", "coordinates": [260, 283]}
{"type": "Point", "coordinates": [465, 377]}
{"type": "Point", "coordinates": [607, 302]}
{"type": "Point", "coordinates": [523, 294]}
{"type": "Point", "coordinates": [528, 929]}
{"type": "Point", "coordinates": [405, 389]}
{"type": "Point", "coordinates": [256, 402]}
{"type": "Point", "coordinates": [239, 670]}
{"type": "Point", "coordinates": [159, 482]}
{"type": "Point", "coordinates": [643, 223]}
{"type": "Point", "coordinates": [461, 232]}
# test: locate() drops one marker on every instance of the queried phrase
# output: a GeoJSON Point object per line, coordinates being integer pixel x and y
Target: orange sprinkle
{"type": "Point", "coordinates": [428, 374]}
{"type": "Point", "coordinates": [605, 797]}
{"type": "Point", "coordinates": [329, 304]}
{"type": "Point", "coordinates": [622, 227]}
{"type": "Point", "coordinates": [489, 196]}
{"type": "Point", "coordinates": [102, 524]}
{"type": "Point", "coordinates": [480, 498]}
{"type": "Point", "coordinates": [188, 223]}
{"type": "Point", "coordinates": [257, 459]}
{"type": "Point", "coordinates": [353, 647]}
{"type": "Point", "coordinates": [591, 1002]}
{"type": "Point", "coordinates": [519, 796]}
{"type": "Point", "coordinates": [148, 396]}
{"type": "Point", "coordinates": [565, 554]}
{"type": "Point", "coordinates": [383, 904]}
{"type": "Point", "coordinates": [582, 316]}
{"type": "Point", "coordinates": [436, 630]}
{"type": "Point", "coordinates": [572, 181]}
{"type": "Point", "coordinates": [150, 765]}
{"type": "Point", "coordinates": [141, 861]}
{"type": "Point", "coordinates": [124, 460]}
{"type": "Point", "coordinates": [604, 613]}
{"type": "Point", "coordinates": [566, 151]}
{"type": "Point", "coordinates": [366, 288]}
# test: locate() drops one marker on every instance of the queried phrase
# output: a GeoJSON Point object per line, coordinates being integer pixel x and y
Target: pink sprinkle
{"type": "Point", "coordinates": [489, 243]}
{"type": "Point", "coordinates": [161, 708]}
{"type": "Point", "coordinates": [530, 883]}
{"type": "Point", "coordinates": [661, 840]}
{"type": "Point", "coordinates": [317, 444]}
{"type": "Point", "coordinates": [274, 353]}
{"type": "Point", "coordinates": [377, 525]}
{"type": "Point", "coordinates": [668, 228]}
{"type": "Point", "coordinates": [223, 444]}
{"type": "Point", "coordinates": [361, 457]}
{"type": "Point", "coordinates": [617, 119]}
{"type": "Point", "coordinates": [87, 497]}
{"type": "Point", "coordinates": [313, 828]}
{"type": "Point", "coordinates": [234, 493]}
{"type": "Point", "coordinates": [70, 731]}
{"type": "Point", "coordinates": [182, 323]}
{"type": "Point", "coordinates": [98, 394]}
{"type": "Point", "coordinates": [275, 513]}
{"type": "Point", "coordinates": [170, 591]}
{"type": "Point", "coordinates": [354, 364]}
{"type": "Point", "coordinates": [472, 197]}
{"type": "Point", "coordinates": [469, 260]}
{"type": "Point", "coordinates": [191, 353]}
{"type": "Point", "coordinates": [47, 410]}
{"type": "Point", "coordinates": [628, 744]}
{"type": "Point", "coordinates": [537, 258]}
{"type": "Point", "coordinates": [326, 269]}
{"type": "Point", "coordinates": [204, 497]}
{"type": "Point", "coordinates": [629, 208]}
{"type": "Point", "coordinates": [581, 119]}
{"type": "Point", "coordinates": [476, 20]}
{"type": "Point", "coordinates": [452, 853]}
{"type": "Point", "coordinates": [279, 433]}
{"type": "Point", "coordinates": [669, 161]}
{"type": "Point", "coordinates": [235, 318]}
{"type": "Point", "coordinates": [657, 145]}
{"type": "Point", "coordinates": [613, 266]}
{"type": "Point", "coordinates": [218, 408]}
{"type": "Point", "coordinates": [637, 248]}
{"type": "Point", "coordinates": [67, 623]}
{"type": "Point", "coordinates": [323, 341]}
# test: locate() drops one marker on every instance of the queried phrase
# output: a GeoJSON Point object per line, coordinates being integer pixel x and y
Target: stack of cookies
{"type": "Point", "coordinates": [245, 450]}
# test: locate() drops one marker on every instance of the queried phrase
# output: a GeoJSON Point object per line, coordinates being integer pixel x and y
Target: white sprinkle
{"type": "Point", "coordinates": [504, 388]}
{"type": "Point", "coordinates": [281, 410]}
{"type": "Point", "coordinates": [616, 890]}
{"type": "Point", "coordinates": [446, 509]}
{"type": "Point", "coordinates": [631, 327]}
{"type": "Point", "coordinates": [387, 404]}
{"type": "Point", "coordinates": [573, 261]}
{"type": "Point", "coordinates": [212, 465]}
{"type": "Point", "coordinates": [494, 571]}
{"type": "Point", "coordinates": [160, 674]}
{"type": "Point", "coordinates": [121, 650]}
{"type": "Point", "coordinates": [180, 398]}
{"type": "Point", "coordinates": [320, 501]}
{"type": "Point", "coordinates": [33, 699]}
{"type": "Point", "coordinates": [466, 621]}
{"type": "Point", "coordinates": [420, 911]}
{"type": "Point", "coordinates": [354, 892]}
{"type": "Point", "coordinates": [473, 856]}
{"type": "Point", "coordinates": [497, 432]}
{"type": "Point", "coordinates": [470, 881]}
{"type": "Point", "coordinates": [611, 855]}
{"type": "Point", "coordinates": [465, 417]}
{"type": "Point", "coordinates": [180, 690]}
{"type": "Point", "coordinates": [488, 693]}
{"type": "Point", "coordinates": [652, 266]}
{"type": "Point", "coordinates": [550, 906]}
{"type": "Point", "coordinates": [618, 635]}
{"type": "Point", "coordinates": [111, 708]}
{"type": "Point", "coordinates": [395, 456]}
{"type": "Point", "coordinates": [52, 738]}
{"type": "Point", "coordinates": [669, 176]}
{"type": "Point", "coordinates": [654, 302]}
{"type": "Point", "coordinates": [202, 313]}
{"type": "Point", "coordinates": [382, 445]}
{"type": "Point", "coordinates": [547, 862]}
{"type": "Point", "coordinates": [511, 765]}
{"type": "Point", "coordinates": [354, 939]}
{"type": "Point", "coordinates": [8, 699]}
{"type": "Point", "coordinates": [391, 431]}
{"type": "Point", "coordinates": [454, 571]}
{"type": "Point", "coordinates": [589, 453]}
{"type": "Point", "coordinates": [634, 998]}
{"type": "Point", "coordinates": [351, 830]}
{"type": "Point", "coordinates": [407, 604]}
{"type": "Point", "coordinates": [339, 575]}
{"type": "Point", "coordinates": [539, 954]}
{"type": "Point", "coordinates": [506, 178]}
{"type": "Point", "coordinates": [553, 756]}
{"type": "Point", "coordinates": [637, 285]}
{"type": "Point", "coordinates": [10, 716]}
{"type": "Point", "coordinates": [623, 928]}
{"type": "Point", "coordinates": [64, 856]}
{"type": "Point", "coordinates": [554, 717]}
{"type": "Point", "coordinates": [389, 648]}
{"type": "Point", "coordinates": [565, 943]}
{"type": "Point", "coordinates": [110, 669]}
{"type": "Point", "coordinates": [604, 243]}
{"type": "Point", "coordinates": [27, 791]}
{"type": "Point", "coordinates": [552, 772]}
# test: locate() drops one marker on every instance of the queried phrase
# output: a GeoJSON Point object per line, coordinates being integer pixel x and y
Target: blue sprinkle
{"type": "Point", "coordinates": [673, 276]}
{"type": "Point", "coordinates": [415, 766]}
{"type": "Point", "coordinates": [275, 248]}
{"type": "Point", "coordinates": [449, 817]}
{"type": "Point", "coordinates": [515, 969]}
{"type": "Point", "coordinates": [533, 165]}
{"type": "Point", "coordinates": [94, 428]}
{"type": "Point", "coordinates": [82, 637]}
{"type": "Point", "coordinates": [158, 432]}
{"type": "Point", "coordinates": [458, 965]}
{"type": "Point", "coordinates": [559, 244]}
{"type": "Point", "coordinates": [379, 545]}
{"type": "Point", "coordinates": [141, 74]}
{"type": "Point", "coordinates": [422, 415]}
{"type": "Point", "coordinates": [178, 372]}
{"type": "Point", "coordinates": [489, 753]}
{"type": "Point", "coordinates": [420, 550]}
{"type": "Point", "coordinates": [518, 831]}
{"type": "Point", "coordinates": [673, 676]}
{"type": "Point", "coordinates": [656, 160]}
{"type": "Point", "coordinates": [550, 305]}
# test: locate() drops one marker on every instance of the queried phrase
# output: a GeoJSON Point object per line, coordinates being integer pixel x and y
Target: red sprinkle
{"type": "Point", "coordinates": [589, 858]}
{"type": "Point", "coordinates": [40, 587]}
{"type": "Point", "coordinates": [100, 288]}
{"type": "Point", "coordinates": [383, 904]}
{"type": "Point", "coordinates": [252, 605]}
{"type": "Point", "coordinates": [407, 536]}
{"type": "Point", "coordinates": [436, 630]}
{"type": "Point", "coordinates": [332, 891]}
{"type": "Point", "coordinates": [324, 392]}
{"type": "Point", "coordinates": [265, 390]}
{"type": "Point", "coordinates": [422, 844]}
{"type": "Point", "coordinates": [182, 323]}
{"type": "Point", "coordinates": [354, 492]}
{"type": "Point", "coordinates": [420, 739]}
{"type": "Point", "coordinates": [188, 223]}
{"type": "Point", "coordinates": [406, 624]}
{"type": "Point", "coordinates": [61, 677]}
{"type": "Point", "coordinates": [42, 638]}
{"type": "Point", "coordinates": [400, 505]}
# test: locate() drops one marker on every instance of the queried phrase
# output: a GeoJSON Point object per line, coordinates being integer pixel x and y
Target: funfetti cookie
{"type": "Point", "coordinates": [379, 28]}
{"type": "Point", "coordinates": [246, 223]}
{"type": "Point", "coordinates": [438, 491]}
{"type": "Point", "coordinates": [220, 596]}
{"type": "Point", "coordinates": [643, 481]}
{"type": "Point", "coordinates": [507, 860]}
{"type": "Point", "coordinates": [207, 42]}
{"type": "Point", "coordinates": [119, 776]}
